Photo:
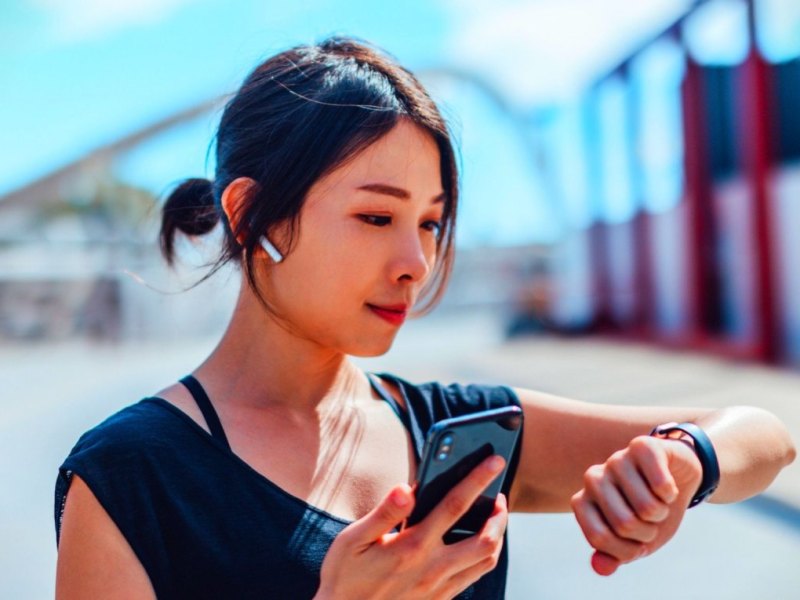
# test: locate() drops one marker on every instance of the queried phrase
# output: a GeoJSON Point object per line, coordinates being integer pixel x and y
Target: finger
{"type": "Point", "coordinates": [637, 492]}
{"type": "Point", "coordinates": [493, 529]}
{"type": "Point", "coordinates": [393, 509]}
{"type": "Point", "coordinates": [684, 465]}
{"type": "Point", "coordinates": [496, 524]}
{"type": "Point", "coordinates": [652, 461]}
{"type": "Point", "coordinates": [462, 580]}
{"type": "Point", "coordinates": [489, 542]}
{"type": "Point", "coordinates": [603, 491]}
{"type": "Point", "coordinates": [486, 543]}
{"type": "Point", "coordinates": [603, 564]}
{"type": "Point", "coordinates": [459, 499]}
{"type": "Point", "coordinates": [600, 535]}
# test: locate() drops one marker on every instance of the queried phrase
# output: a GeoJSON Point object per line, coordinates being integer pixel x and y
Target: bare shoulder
{"type": "Point", "coordinates": [177, 395]}
{"type": "Point", "coordinates": [94, 559]}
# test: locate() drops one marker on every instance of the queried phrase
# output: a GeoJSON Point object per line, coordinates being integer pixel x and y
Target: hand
{"type": "Point", "coordinates": [632, 504]}
{"type": "Point", "coordinates": [369, 560]}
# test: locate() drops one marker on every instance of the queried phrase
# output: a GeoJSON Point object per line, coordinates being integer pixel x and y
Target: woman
{"type": "Point", "coordinates": [278, 469]}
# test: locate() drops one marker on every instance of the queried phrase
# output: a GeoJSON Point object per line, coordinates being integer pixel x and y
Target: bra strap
{"type": "Point", "coordinates": [209, 414]}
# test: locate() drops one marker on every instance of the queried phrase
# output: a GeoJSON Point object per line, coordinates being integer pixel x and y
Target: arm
{"type": "Point", "coordinates": [563, 438]}
{"type": "Point", "coordinates": [630, 491]}
{"type": "Point", "coordinates": [94, 559]}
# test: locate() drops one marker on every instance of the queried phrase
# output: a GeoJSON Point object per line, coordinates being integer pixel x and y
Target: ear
{"type": "Point", "coordinates": [233, 200]}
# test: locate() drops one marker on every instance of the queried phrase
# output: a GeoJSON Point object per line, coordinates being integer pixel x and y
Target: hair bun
{"type": "Point", "coordinates": [189, 208]}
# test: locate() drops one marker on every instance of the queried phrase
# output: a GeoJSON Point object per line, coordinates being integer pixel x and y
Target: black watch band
{"type": "Point", "coordinates": [704, 450]}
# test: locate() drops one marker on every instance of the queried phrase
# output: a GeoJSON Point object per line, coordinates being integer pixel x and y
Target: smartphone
{"type": "Point", "coordinates": [452, 449]}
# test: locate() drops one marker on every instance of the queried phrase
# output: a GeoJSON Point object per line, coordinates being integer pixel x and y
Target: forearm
{"type": "Point", "coordinates": [562, 438]}
{"type": "Point", "coordinates": [752, 446]}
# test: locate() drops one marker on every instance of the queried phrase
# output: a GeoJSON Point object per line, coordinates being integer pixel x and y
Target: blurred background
{"type": "Point", "coordinates": [631, 184]}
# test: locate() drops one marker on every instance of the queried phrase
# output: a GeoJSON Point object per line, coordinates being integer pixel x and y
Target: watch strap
{"type": "Point", "coordinates": [704, 450]}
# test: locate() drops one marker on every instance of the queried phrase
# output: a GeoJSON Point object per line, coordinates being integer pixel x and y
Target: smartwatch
{"type": "Point", "coordinates": [704, 450]}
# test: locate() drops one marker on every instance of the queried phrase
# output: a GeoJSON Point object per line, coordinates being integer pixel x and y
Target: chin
{"type": "Point", "coordinates": [371, 349]}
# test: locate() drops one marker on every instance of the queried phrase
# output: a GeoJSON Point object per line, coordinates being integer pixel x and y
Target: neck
{"type": "Point", "coordinates": [260, 363]}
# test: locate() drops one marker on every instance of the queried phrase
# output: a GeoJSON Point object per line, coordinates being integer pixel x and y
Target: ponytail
{"type": "Point", "coordinates": [190, 208]}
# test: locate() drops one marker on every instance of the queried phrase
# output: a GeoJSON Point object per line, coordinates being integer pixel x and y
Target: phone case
{"type": "Point", "coordinates": [452, 449]}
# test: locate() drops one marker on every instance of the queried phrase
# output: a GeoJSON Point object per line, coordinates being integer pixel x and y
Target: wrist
{"type": "Point", "coordinates": [699, 442]}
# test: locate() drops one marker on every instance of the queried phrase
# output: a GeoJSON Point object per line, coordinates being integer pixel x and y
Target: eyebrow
{"type": "Point", "coordinates": [395, 192]}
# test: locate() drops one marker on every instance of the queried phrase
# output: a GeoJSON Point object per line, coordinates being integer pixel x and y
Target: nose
{"type": "Point", "coordinates": [412, 260]}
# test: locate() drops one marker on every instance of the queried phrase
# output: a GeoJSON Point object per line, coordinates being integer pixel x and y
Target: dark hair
{"type": "Point", "coordinates": [297, 117]}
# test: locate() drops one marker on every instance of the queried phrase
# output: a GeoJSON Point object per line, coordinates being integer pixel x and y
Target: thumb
{"type": "Point", "coordinates": [684, 466]}
{"type": "Point", "coordinates": [604, 564]}
{"type": "Point", "coordinates": [391, 511]}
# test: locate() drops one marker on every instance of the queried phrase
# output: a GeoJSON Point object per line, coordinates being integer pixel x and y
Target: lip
{"type": "Point", "coordinates": [393, 313]}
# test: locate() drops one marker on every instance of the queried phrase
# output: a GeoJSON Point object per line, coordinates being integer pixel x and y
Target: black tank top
{"type": "Point", "coordinates": [204, 524]}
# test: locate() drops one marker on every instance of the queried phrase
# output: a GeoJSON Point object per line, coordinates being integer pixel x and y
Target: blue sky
{"type": "Point", "coordinates": [76, 74]}
{"type": "Point", "coordinates": [68, 86]}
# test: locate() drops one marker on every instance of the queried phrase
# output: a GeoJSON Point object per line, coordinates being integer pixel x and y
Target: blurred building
{"type": "Point", "coordinates": [679, 173]}
{"type": "Point", "coordinates": [79, 256]}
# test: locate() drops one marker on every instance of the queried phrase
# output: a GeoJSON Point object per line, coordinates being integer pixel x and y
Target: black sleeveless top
{"type": "Point", "coordinates": [204, 524]}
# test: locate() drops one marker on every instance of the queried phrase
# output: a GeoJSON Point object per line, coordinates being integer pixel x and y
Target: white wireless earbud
{"type": "Point", "coordinates": [270, 249]}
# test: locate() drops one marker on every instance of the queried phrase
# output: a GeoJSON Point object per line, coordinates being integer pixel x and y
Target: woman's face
{"type": "Point", "coordinates": [366, 245]}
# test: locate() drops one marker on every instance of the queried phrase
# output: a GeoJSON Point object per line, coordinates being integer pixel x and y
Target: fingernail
{"type": "Point", "coordinates": [495, 464]}
{"type": "Point", "coordinates": [400, 499]}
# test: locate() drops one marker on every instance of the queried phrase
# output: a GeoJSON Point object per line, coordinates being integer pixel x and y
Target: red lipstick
{"type": "Point", "coordinates": [394, 314]}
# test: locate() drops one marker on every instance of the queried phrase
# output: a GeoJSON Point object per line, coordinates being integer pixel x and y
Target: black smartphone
{"type": "Point", "coordinates": [453, 448]}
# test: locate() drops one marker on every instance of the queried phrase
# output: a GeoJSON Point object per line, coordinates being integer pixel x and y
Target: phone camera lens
{"type": "Point", "coordinates": [445, 445]}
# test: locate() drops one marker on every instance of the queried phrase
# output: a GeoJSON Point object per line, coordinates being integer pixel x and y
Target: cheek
{"type": "Point", "coordinates": [317, 281]}
{"type": "Point", "coordinates": [307, 285]}
{"type": "Point", "coordinates": [431, 252]}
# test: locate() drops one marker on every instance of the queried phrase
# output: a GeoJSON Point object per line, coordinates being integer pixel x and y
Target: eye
{"type": "Point", "coordinates": [376, 220]}
{"type": "Point", "coordinates": [433, 226]}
